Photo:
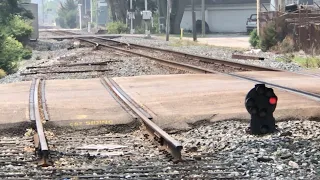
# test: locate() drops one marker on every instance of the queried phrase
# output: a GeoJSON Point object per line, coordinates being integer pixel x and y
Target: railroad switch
{"type": "Point", "coordinates": [261, 102]}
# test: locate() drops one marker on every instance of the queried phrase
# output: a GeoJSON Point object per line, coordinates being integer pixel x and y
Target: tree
{"type": "Point", "coordinates": [68, 14]}
{"type": "Point", "coordinates": [10, 8]}
{"type": "Point", "coordinates": [119, 10]}
{"type": "Point", "coordinates": [177, 11]}
{"type": "Point", "coordinates": [178, 7]}
{"type": "Point", "coordinates": [14, 27]}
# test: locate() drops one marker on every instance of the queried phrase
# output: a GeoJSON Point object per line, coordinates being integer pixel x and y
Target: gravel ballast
{"type": "Point", "coordinates": [213, 52]}
{"type": "Point", "coordinates": [291, 153]}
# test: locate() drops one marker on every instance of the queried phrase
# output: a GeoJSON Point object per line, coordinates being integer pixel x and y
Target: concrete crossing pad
{"type": "Point", "coordinates": [14, 104]}
{"type": "Point", "coordinates": [176, 100]}
{"type": "Point", "coordinates": [83, 104]}
{"type": "Point", "coordinates": [297, 81]}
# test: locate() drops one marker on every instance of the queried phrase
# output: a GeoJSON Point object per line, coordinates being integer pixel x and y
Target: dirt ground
{"type": "Point", "coordinates": [223, 40]}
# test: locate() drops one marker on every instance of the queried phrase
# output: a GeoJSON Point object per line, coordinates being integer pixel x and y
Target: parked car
{"type": "Point", "coordinates": [251, 23]}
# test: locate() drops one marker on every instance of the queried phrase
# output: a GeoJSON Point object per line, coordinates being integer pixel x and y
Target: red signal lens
{"type": "Point", "coordinates": [273, 100]}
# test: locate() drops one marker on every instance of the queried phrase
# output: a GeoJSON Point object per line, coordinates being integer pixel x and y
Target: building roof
{"type": "Point", "coordinates": [213, 2]}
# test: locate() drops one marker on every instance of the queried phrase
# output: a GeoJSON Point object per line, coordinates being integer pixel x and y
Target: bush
{"type": "Point", "coordinates": [20, 29]}
{"type": "Point", "coordinates": [254, 39]}
{"type": "Point", "coordinates": [2, 73]}
{"type": "Point", "coordinates": [67, 14]}
{"type": "Point", "coordinates": [12, 51]}
{"type": "Point", "coordinates": [287, 45]}
{"type": "Point", "coordinates": [27, 53]}
{"type": "Point", "coordinates": [268, 38]}
{"type": "Point", "coordinates": [117, 28]}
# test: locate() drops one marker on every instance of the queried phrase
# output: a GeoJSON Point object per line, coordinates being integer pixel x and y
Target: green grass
{"type": "Point", "coordinates": [183, 43]}
{"type": "Point", "coordinates": [308, 62]}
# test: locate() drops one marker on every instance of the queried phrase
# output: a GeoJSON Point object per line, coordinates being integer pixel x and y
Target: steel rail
{"type": "Point", "coordinates": [62, 72]}
{"type": "Point", "coordinates": [211, 60]}
{"type": "Point", "coordinates": [296, 91]}
{"type": "Point", "coordinates": [173, 64]}
{"type": "Point", "coordinates": [31, 101]}
{"type": "Point", "coordinates": [74, 64]}
{"type": "Point", "coordinates": [39, 138]}
{"type": "Point", "coordinates": [44, 101]}
{"type": "Point", "coordinates": [203, 70]}
{"type": "Point", "coordinates": [202, 58]}
{"type": "Point", "coordinates": [166, 141]}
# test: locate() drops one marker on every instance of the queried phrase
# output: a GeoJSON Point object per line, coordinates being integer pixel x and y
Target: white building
{"type": "Point", "coordinates": [229, 16]}
{"type": "Point", "coordinates": [224, 15]}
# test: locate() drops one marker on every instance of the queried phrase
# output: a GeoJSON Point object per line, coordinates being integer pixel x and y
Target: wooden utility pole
{"type": "Point", "coordinates": [203, 18]}
{"type": "Point", "coordinates": [282, 5]}
{"type": "Point", "coordinates": [91, 11]}
{"type": "Point", "coordinates": [194, 23]}
{"type": "Point", "coordinates": [258, 16]}
{"type": "Point", "coordinates": [168, 19]}
{"type": "Point", "coordinates": [158, 10]}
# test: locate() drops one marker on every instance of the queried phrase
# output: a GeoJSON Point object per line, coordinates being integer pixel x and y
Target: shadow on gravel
{"type": "Point", "coordinates": [14, 129]}
{"type": "Point", "coordinates": [96, 130]}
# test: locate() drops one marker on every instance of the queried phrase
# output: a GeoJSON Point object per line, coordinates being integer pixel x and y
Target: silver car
{"type": "Point", "coordinates": [251, 23]}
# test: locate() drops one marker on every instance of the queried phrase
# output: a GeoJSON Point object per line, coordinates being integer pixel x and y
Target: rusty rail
{"type": "Point", "coordinates": [75, 64]}
{"type": "Point", "coordinates": [40, 141]}
{"type": "Point", "coordinates": [164, 139]}
{"type": "Point", "coordinates": [173, 64]}
{"type": "Point", "coordinates": [61, 72]}
{"type": "Point", "coordinates": [202, 58]}
{"type": "Point", "coordinates": [245, 57]}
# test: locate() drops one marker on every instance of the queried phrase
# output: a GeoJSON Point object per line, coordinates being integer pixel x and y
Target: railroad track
{"type": "Point", "coordinates": [182, 61]}
{"type": "Point", "coordinates": [145, 153]}
{"type": "Point", "coordinates": [198, 68]}
{"type": "Point", "coordinates": [186, 61]}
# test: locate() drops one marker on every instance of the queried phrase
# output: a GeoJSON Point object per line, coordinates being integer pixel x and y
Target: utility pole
{"type": "Point", "coordinates": [194, 23]}
{"type": "Point", "coordinates": [91, 11]}
{"type": "Point", "coordinates": [43, 11]}
{"type": "Point", "coordinates": [159, 15]}
{"type": "Point", "coordinates": [85, 7]}
{"type": "Point", "coordinates": [282, 5]}
{"type": "Point", "coordinates": [146, 8]}
{"type": "Point", "coordinates": [131, 17]}
{"type": "Point", "coordinates": [258, 17]}
{"type": "Point", "coordinates": [80, 19]}
{"type": "Point", "coordinates": [168, 19]}
{"type": "Point", "coordinates": [97, 13]}
{"type": "Point", "coordinates": [203, 19]}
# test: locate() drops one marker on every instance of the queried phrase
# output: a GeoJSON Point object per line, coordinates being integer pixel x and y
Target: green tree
{"type": "Point", "coordinates": [12, 52]}
{"type": "Point", "coordinates": [67, 14]}
{"type": "Point", "coordinates": [14, 29]}
{"type": "Point", "coordinates": [19, 28]}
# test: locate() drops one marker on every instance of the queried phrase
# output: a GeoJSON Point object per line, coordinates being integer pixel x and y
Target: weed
{"type": "Point", "coordinates": [268, 37]}
{"type": "Point", "coordinates": [117, 28]}
{"type": "Point", "coordinates": [2, 73]}
{"type": "Point", "coordinates": [308, 62]}
{"type": "Point", "coordinates": [254, 39]}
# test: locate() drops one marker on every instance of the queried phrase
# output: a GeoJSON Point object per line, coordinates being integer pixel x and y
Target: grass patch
{"type": "Point", "coordinates": [307, 62]}
{"type": "Point", "coordinates": [2, 73]}
{"type": "Point", "coordinates": [179, 43]}
{"type": "Point", "coordinates": [183, 43]}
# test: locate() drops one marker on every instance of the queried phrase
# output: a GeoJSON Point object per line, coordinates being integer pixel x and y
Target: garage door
{"type": "Point", "coordinates": [229, 20]}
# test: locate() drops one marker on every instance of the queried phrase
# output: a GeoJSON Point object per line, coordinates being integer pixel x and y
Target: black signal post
{"type": "Point", "coordinates": [261, 102]}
